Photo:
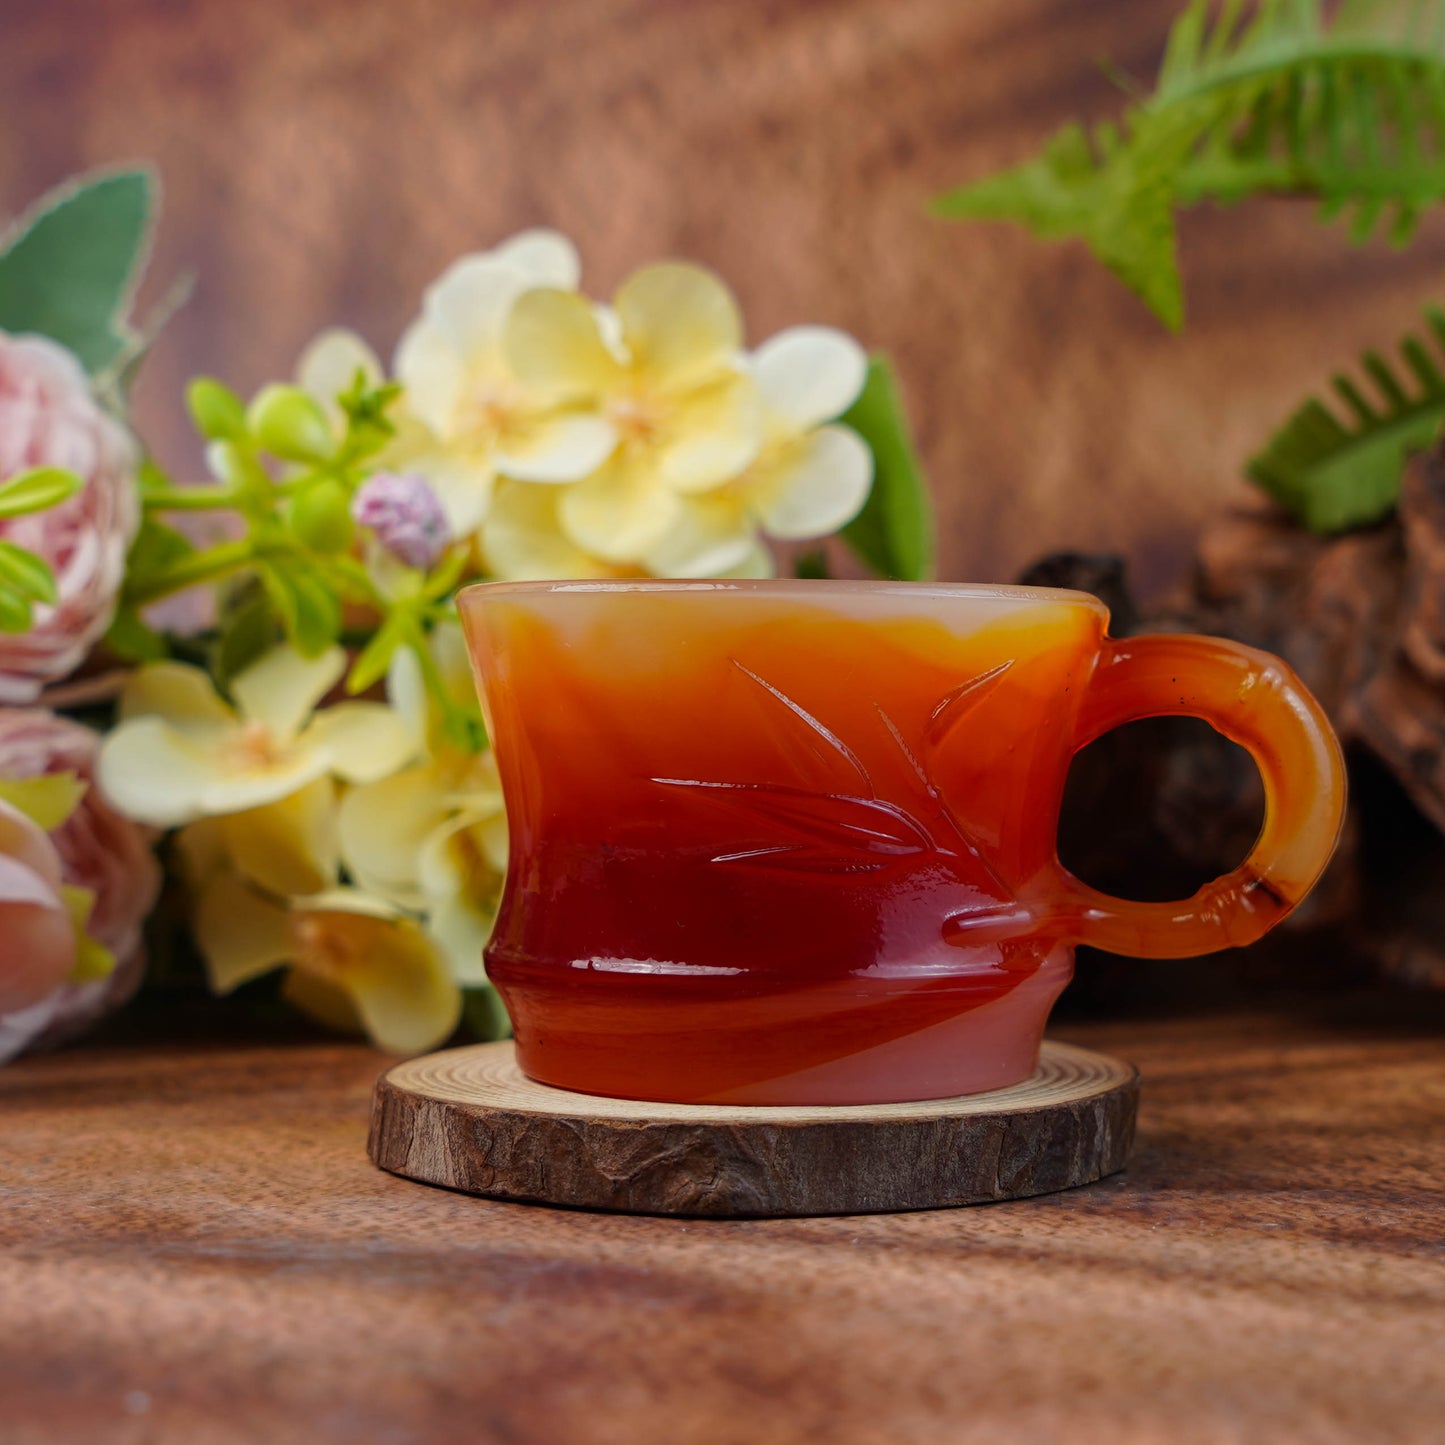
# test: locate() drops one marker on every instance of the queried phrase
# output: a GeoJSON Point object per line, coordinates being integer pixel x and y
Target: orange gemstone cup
{"type": "Point", "coordinates": [794, 842]}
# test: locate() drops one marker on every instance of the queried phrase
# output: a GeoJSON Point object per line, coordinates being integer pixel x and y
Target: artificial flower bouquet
{"type": "Point", "coordinates": [256, 683]}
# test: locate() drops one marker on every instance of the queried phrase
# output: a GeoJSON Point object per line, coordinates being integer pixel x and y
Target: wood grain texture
{"type": "Point", "coordinates": [195, 1248]}
{"type": "Point", "coordinates": [471, 1120]}
{"type": "Point", "coordinates": [323, 160]}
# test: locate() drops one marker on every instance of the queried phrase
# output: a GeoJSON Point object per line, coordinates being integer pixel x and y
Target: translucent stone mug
{"type": "Point", "coordinates": [794, 842]}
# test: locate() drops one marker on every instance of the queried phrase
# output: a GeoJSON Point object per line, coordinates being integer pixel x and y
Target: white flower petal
{"type": "Point", "coordinates": [346, 900]}
{"type": "Point", "coordinates": [184, 696]}
{"type": "Point", "coordinates": [816, 487]}
{"type": "Point", "coordinates": [241, 933]}
{"type": "Point", "coordinates": [449, 647]}
{"type": "Point", "coordinates": [680, 322]}
{"type": "Point", "coordinates": [718, 431]}
{"type": "Point", "coordinates": [398, 978]}
{"type": "Point", "coordinates": [554, 346]}
{"type": "Point", "coordinates": [280, 690]}
{"type": "Point", "coordinates": [235, 789]}
{"type": "Point", "coordinates": [363, 741]}
{"type": "Point", "coordinates": [463, 483]}
{"type": "Point", "coordinates": [384, 826]}
{"type": "Point", "coordinates": [523, 539]}
{"type": "Point", "coordinates": [319, 998]}
{"type": "Point", "coordinates": [495, 840]}
{"type": "Point", "coordinates": [407, 694]}
{"type": "Point", "coordinates": [558, 448]}
{"type": "Point", "coordinates": [619, 513]}
{"type": "Point", "coordinates": [289, 846]}
{"type": "Point", "coordinates": [713, 535]}
{"type": "Point", "coordinates": [155, 773]}
{"type": "Point", "coordinates": [544, 256]}
{"type": "Point", "coordinates": [433, 372]}
{"type": "Point", "coordinates": [758, 563]}
{"type": "Point", "coordinates": [810, 374]}
{"type": "Point", "coordinates": [470, 300]}
{"type": "Point", "coordinates": [328, 368]}
{"type": "Point", "coordinates": [462, 930]}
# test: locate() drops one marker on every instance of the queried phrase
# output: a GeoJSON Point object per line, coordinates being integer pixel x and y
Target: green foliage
{"type": "Point", "coordinates": [247, 630]}
{"type": "Point", "coordinates": [1334, 472]}
{"type": "Point", "coordinates": [25, 578]}
{"type": "Point", "coordinates": [1352, 114]}
{"type": "Point", "coordinates": [309, 609]}
{"type": "Point", "coordinates": [290, 424]}
{"type": "Point", "coordinates": [320, 516]}
{"type": "Point", "coordinates": [893, 533]}
{"type": "Point", "coordinates": [218, 413]}
{"type": "Point", "coordinates": [484, 1015]}
{"type": "Point", "coordinates": [132, 639]}
{"type": "Point", "coordinates": [68, 270]}
{"type": "Point", "coordinates": [37, 490]}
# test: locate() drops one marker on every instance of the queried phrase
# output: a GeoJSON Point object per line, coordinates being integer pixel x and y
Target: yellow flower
{"type": "Point", "coordinates": [808, 479]}
{"type": "Point", "coordinates": [663, 373]}
{"type": "Point", "coordinates": [433, 838]}
{"type": "Point", "coordinates": [473, 417]}
{"type": "Point", "coordinates": [264, 767]}
{"type": "Point", "coordinates": [354, 960]}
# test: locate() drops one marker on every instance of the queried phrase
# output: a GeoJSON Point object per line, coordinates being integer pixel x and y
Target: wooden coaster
{"type": "Point", "coordinates": [469, 1119]}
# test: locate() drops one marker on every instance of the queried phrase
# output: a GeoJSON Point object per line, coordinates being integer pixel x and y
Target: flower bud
{"type": "Point", "coordinates": [290, 424]}
{"type": "Point", "coordinates": [403, 511]}
{"type": "Point", "coordinates": [216, 410]}
{"type": "Point", "coordinates": [320, 517]}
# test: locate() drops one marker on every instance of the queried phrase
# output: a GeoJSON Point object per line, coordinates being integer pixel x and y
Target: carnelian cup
{"type": "Point", "coordinates": [794, 842]}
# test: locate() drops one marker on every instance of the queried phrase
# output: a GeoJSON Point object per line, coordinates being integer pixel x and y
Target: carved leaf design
{"type": "Point", "coordinates": [830, 830]}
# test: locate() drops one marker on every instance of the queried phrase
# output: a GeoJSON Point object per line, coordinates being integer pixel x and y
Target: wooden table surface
{"type": "Point", "coordinates": [193, 1247]}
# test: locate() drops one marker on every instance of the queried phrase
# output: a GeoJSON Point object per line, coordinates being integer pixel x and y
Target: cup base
{"type": "Point", "coordinates": [723, 1057]}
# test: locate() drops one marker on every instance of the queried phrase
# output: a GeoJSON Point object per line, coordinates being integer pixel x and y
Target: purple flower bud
{"type": "Point", "coordinates": [403, 511]}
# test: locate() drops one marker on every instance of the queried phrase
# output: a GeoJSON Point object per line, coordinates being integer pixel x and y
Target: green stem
{"type": "Point", "coordinates": [208, 566]}
{"type": "Point", "coordinates": [190, 499]}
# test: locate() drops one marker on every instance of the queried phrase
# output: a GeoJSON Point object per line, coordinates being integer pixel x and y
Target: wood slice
{"type": "Point", "coordinates": [469, 1119]}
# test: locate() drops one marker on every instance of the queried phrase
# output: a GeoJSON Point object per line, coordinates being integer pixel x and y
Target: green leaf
{"type": "Point", "coordinates": [47, 799]}
{"type": "Point", "coordinates": [1352, 114]}
{"type": "Point", "coordinates": [37, 490]}
{"type": "Point", "coordinates": [156, 550]}
{"type": "Point", "coordinates": [14, 610]}
{"type": "Point", "coordinates": [374, 659]}
{"type": "Point", "coordinates": [485, 1015]}
{"type": "Point", "coordinates": [69, 268]}
{"type": "Point", "coordinates": [132, 639]}
{"type": "Point", "coordinates": [893, 533]}
{"type": "Point", "coordinates": [247, 631]}
{"type": "Point", "coordinates": [811, 565]}
{"type": "Point", "coordinates": [26, 573]}
{"type": "Point", "coordinates": [309, 610]}
{"type": "Point", "coordinates": [1334, 472]}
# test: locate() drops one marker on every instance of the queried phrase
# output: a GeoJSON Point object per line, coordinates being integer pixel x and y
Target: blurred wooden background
{"type": "Point", "coordinates": [323, 159]}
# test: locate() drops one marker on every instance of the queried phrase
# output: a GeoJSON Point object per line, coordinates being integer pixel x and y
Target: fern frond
{"type": "Point", "coordinates": [1352, 114]}
{"type": "Point", "coordinates": [1334, 472]}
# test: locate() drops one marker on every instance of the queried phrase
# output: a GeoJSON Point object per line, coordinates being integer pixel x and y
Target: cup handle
{"type": "Point", "coordinates": [1257, 701]}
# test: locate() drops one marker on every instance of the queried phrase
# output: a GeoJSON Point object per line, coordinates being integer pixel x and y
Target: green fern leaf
{"type": "Point", "coordinates": [1334, 472]}
{"type": "Point", "coordinates": [1352, 115]}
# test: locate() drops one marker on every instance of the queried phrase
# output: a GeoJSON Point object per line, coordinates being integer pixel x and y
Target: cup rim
{"type": "Point", "coordinates": [781, 586]}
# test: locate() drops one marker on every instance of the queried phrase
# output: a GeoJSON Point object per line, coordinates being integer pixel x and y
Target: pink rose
{"type": "Point", "coordinates": [97, 849]}
{"type": "Point", "coordinates": [49, 417]}
{"type": "Point", "coordinates": [38, 948]}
